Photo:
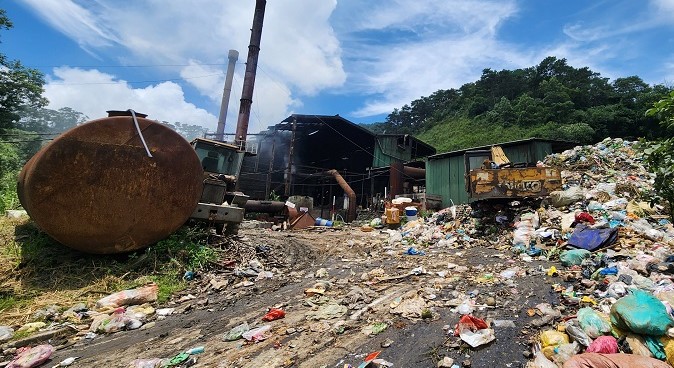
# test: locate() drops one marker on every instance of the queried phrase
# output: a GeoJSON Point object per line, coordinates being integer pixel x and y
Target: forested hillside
{"type": "Point", "coordinates": [550, 100]}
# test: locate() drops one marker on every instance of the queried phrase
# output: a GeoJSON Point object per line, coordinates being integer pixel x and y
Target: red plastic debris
{"type": "Point", "coordinates": [274, 314]}
{"type": "Point", "coordinates": [584, 217]}
{"type": "Point", "coordinates": [471, 323]}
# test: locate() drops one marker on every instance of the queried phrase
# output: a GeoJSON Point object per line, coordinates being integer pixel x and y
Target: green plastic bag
{"type": "Point", "coordinates": [655, 346]}
{"type": "Point", "coordinates": [574, 257]}
{"type": "Point", "coordinates": [641, 313]}
{"type": "Point", "coordinates": [236, 332]}
{"type": "Point", "coordinates": [592, 322]}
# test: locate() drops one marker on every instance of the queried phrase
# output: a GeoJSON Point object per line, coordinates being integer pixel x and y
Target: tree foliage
{"type": "Point", "coordinates": [42, 120]}
{"type": "Point", "coordinates": [187, 131]}
{"type": "Point", "coordinates": [550, 100]}
{"type": "Point", "coordinates": [659, 156]}
{"type": "Point", "coordinates": [20, 87]}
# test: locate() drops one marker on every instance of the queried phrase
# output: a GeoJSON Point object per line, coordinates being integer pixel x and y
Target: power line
{"type": "Point", "coordinates": [128, 66]}
{"type": "Point", "coordinates": [356, 144]}
{"type": "Point", "coordinates": [135, 82]}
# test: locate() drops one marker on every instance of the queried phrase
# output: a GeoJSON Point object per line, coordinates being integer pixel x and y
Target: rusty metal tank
{"type": "Point", "coordinates": [96, 189]}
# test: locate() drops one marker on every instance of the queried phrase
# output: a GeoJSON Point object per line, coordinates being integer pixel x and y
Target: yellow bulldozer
{"type": "Point", "coordinates": [491, 175]}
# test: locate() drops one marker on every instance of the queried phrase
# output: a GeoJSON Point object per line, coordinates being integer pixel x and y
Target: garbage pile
{"type": "Point", "coordinates": [615, 252]}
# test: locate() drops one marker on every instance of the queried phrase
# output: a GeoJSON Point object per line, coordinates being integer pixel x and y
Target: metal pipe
{"type": "Point", "coordinates": [233, 56]}
{"type": "Point", "coordinates": [414, 172]}
{"type": "Point", "coordinates": [249, 79]}
{"type": "Point", "coordinates": [351, 212]}
{"type": "Point", "coordinates": [264, 206]}
{"type": "Point", "coordinates": [396, 178]}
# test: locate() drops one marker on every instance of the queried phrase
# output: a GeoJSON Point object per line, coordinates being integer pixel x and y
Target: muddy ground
{"type": "Point", "coordinates": [346, 255]}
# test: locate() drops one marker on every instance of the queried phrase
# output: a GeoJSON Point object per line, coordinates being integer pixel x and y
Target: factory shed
{"type": "Point", "coordinates": [294, 156]}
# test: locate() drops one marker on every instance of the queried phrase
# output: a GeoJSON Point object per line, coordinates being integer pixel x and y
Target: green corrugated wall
{"type": "Point", "coordinates": [386, 151]}
{"type": "Point", "coordinates": [445, 176]}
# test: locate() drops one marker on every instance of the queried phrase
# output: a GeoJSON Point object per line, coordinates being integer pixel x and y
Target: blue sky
{"type": "Point", "coordinates": [360, 59]}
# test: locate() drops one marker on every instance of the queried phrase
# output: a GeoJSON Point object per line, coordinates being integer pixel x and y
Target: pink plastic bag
{"type": "Point", "coordinates": [143, 294]}
{"type": "Point", "coordinates": [604, 345]}
{"type": "Point", "coordinates": [32, 357]}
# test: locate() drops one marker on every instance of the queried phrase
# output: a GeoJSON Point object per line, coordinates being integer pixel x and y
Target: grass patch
{"type": "Point", "coordinates": [37, 272]}
{"type": "Point", "coordinates": [167, 286]}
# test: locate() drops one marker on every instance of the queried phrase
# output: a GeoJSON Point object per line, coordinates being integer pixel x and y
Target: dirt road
{"type": "Point", "coordinates": [367, 276]}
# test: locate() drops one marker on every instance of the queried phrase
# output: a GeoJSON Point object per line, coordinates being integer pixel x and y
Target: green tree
{"type": "Point", "coordinates": [503, 113]}
{"type": "Point", "coordinates": [529, 111]}
{"type": "Point", "coordinates": [10, 163]}
{"type": "Point", "coordinates": [659, 155]}
{"type": "Point", "coordinates": [20, 87]}
{"type": "Point", "coordinates": [187, 131]}
{"type": "Point", "coordinates": [42, 120]}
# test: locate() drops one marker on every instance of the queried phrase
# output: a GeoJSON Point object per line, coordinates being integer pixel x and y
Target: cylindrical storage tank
{"type": "Point", "coordinates": [96, 189]}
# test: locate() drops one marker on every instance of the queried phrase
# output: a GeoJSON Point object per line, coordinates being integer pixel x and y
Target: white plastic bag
{"type": "Point", "coordinates": [540, 361]}
{"type": "Point", "coordinates": [477, 338]}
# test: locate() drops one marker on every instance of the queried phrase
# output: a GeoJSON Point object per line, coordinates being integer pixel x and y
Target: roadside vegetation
{"type": "Point", "coordinates": [36, 272]}
{"type": "Point", "coordinates": [660, 154]}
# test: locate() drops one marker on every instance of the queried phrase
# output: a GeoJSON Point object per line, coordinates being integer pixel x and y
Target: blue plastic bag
{"type": "Point", "coordinates": [412, 251]}
{"type": "Point", "coordinates": [592, 239]}
{"type": "Point", "coordinates": [641, 313]}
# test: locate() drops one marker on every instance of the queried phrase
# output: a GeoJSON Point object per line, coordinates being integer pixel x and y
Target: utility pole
{"type": "Point", "coordinates": [233, 56]}
{"type": "Point", "coordinates": [249, 79]}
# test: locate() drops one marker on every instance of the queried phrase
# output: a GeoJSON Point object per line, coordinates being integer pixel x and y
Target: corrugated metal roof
{"type": "Point", "coordinates": [558, 145]}
{"type": "Point", "coordinates": [307, 122]}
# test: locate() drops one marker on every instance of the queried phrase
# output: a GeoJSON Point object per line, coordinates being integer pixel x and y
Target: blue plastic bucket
{"type": "Point", "coordinates": [411, 213]}
{"type": "Point", "coordinates": [323, 222]}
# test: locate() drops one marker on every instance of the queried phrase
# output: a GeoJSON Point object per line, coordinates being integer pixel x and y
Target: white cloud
{"type": "Point", "coordinates": [300, 54]}
{"type": "Point", "coordinates": [428, 46]}
{"type": "Point", "coordinates": [75, 21]}
{"type": "Point", "coordinates": [208, 79]}
{"type": "Point", "coordinates": [664, 9]}
{"type": "Point", "coordinates": [93, 92]}
{"type": "Point", "coordinates": [465, 16]}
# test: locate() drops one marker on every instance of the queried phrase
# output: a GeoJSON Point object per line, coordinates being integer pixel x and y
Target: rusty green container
{"type": "Point", "coordinates": [96, 189]}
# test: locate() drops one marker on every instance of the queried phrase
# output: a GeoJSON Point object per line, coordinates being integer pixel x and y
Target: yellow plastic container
{"type": "Point", "coordinates": [392, 215]}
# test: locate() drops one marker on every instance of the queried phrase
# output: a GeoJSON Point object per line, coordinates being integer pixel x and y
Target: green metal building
{"type": "Point", "coordinates": [445, 172]}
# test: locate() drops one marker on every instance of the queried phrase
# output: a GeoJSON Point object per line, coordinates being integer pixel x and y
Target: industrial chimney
{"type": "Point", "coordinates": [249, 79]}
{"type": "Point", "coordinates": [220, 132]}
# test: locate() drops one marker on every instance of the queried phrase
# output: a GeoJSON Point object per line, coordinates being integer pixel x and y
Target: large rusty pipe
{"type": "Point", "coordinates": [396, 178]}
{"type": "Point", "coordinates": [264, 206]}
{"type": "Point", "coordinates": [414, 172]}
{"type": "Point", "coordinates": [351, 212]}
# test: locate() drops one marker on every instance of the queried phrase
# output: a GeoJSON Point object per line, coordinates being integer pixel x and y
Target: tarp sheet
{"type": "Point", "coordinates": [592, 239]}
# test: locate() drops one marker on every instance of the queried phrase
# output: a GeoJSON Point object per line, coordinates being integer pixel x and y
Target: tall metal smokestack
{"type": "Point", "coordinates": [249, 79]}
{"type": "Point", "coordinates": [220, 132]}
